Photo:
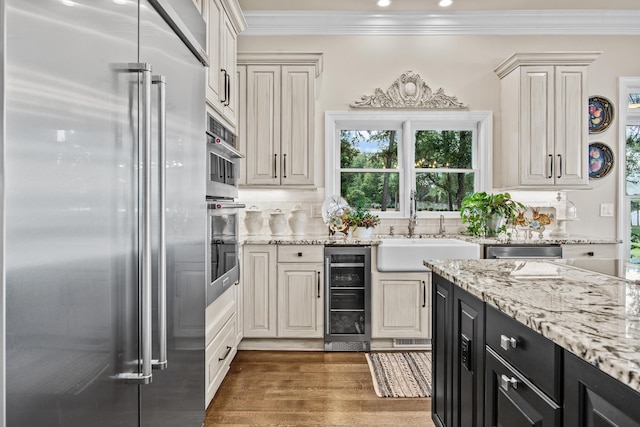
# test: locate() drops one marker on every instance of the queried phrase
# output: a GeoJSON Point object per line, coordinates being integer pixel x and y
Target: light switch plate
{"type": "Point", "coordinates": [606, 209]}
{"type": "Point", "coordinates": [316, 210]}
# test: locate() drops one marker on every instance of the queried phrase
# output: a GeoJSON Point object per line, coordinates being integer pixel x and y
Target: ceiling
{"type": "Point", "coordinates": [431, 5]}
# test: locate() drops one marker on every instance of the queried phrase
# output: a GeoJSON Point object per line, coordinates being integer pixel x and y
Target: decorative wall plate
{"type": "Point", "coordinates": [600, 114]}
{"type": "Point", "coordinates": [600, 160]}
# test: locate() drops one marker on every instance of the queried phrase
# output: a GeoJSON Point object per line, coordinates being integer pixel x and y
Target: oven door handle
{"type": "Point", "coordinates": [224, 205]}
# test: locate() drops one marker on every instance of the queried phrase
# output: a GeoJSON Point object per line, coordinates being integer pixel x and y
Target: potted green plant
{"type": "Point", "coordinates": [362, 221]}
{"type": "Point", "coordinates": [488, 214]}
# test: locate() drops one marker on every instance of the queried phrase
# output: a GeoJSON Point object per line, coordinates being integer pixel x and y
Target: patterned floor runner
{"type": "Point", "coordinates": [406, 374]}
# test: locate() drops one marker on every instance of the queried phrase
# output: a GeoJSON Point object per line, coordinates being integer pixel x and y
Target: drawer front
{"type": "Point", "coordinates": [536, 357]}
{"type": "Point", "coordinates": [219, 355]}
{"type": "Point", "coordinates": [300, 253]}
{"type": "Point", "coordinates": [590, 251]}
{"type": "Point", "coordinates": [512, 400]}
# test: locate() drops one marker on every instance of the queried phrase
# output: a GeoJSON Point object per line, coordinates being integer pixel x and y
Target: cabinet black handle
{"type": "Point", "coordinates": [224, 101]}
{"type": "Point", "coordinates": [225, 355]}
{"type": "Point", "coordinates": [560, 166]}
{"type": "Point", "coordinates": [424, 294]}
{"type": "Point", "coordinates": [550, 166]}
{"type": "Point", "coordinates": [284, 165]}
{"type": "Point", "coordinates": [590, 254]}
{"type": "Point", "coordinates": [227, 88]}
{"type": "Point", "coordinates": [318, 284]}
{"type": "Point", "coordinates": [275, 165]}
{"type": "Point", "coordinates": [299, 253]}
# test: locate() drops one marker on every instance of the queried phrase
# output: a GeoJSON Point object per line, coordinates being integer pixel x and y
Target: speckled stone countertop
{"type": "Point", "coordinates": [375, 240]}
{"type": "Point", "coordinates": [592, 315]}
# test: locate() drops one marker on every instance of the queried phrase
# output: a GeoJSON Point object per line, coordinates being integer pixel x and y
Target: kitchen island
{"type": "Point", "coordinates": [534, 340]}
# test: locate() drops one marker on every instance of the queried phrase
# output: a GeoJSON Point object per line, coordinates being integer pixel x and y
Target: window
{"type": "Point", "coordinates": [629, 224]}
{"type": "Point", "coordinates": [375, 159]}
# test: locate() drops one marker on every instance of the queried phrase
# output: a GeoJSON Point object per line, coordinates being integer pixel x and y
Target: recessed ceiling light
{"type": "Point", "coordinates": [383, 3]}
{"type": "Point", "coordinates": [445, 3]}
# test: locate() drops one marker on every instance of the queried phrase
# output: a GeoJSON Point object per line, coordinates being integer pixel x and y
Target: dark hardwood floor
{"type": "Point", "coordinates": [267, 388]}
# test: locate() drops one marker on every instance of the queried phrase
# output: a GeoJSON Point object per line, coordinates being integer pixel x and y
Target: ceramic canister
{"type": "Point", "coordinates": [277, 222]}
{"type": "Point", "coordinates": [297, 220]}
{"type": "Point", "coordinates": [253, 220]}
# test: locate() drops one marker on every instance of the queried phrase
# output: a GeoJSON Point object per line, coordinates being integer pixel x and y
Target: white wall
{"type": "Point", "coordinates": [463, 66]}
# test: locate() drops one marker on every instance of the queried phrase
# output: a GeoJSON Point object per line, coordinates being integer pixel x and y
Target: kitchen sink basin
{"type": "Point", "coordinates": [409, 254]}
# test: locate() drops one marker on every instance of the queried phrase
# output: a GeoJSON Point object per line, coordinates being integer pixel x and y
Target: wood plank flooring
{"type": "Point", "coordinates": [268, 388]}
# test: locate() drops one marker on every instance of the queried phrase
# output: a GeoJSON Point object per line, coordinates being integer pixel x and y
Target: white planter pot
{"type": "Point", "coordinates": [363, 233]}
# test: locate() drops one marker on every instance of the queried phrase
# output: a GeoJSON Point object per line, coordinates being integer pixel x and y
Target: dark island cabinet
{"type": "Point", "coordinates": [458, 352]}
{"type": "Point", "coordinates": [442, 321]}
{"type": "Point", "coordinates": [513, 400]}
{"type": "Point", "coordinates": [594, 399]}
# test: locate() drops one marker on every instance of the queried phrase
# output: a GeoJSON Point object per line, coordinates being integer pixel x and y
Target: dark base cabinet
{"type": "Point", "coordinates": [458, 352]}
{"type": "Point", "coordinates": [595, 399]}
{"type": "Point", "coordinates": [512, 400]}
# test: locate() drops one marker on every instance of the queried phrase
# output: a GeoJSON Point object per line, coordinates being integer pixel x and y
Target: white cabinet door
{"type": "Point", "coordinates": [215, 13]}
{"type": "Point", "coordinates": [229, 41]}
{"type": "Point", "coordinates": [571, 127]}
{"type": "Point", "coordinates": [300, 300]}
{"type": "Point", "coordinates": [401, 305]}
{"type": "Point", "coordinates": [259, 291]}
{"type": "Point", "coordinates": [262, 139]}
{"type": "Point", "coordinates": [297, 119]}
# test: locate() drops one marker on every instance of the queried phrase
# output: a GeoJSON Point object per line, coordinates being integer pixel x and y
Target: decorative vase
{"type": "Point", "coordinates": [297, 220]}
{"type": "Point", "coordinates": [363, 233]}
{"type": "Point", "coordinates": [277, 223]}
{"type": "Point", "coordinates": [493, 223]}
{"type": "Point", "coordinates": [253, 220]}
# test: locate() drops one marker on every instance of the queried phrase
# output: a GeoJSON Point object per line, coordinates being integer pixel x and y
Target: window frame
{"type": "Point", "coordinates": [627, 117]}
{"type": "Point", "coordinates": [481, 122]}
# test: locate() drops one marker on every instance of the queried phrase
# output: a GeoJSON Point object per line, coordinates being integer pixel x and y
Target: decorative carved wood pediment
{"type": "Point", "coordinates": [410, 91]}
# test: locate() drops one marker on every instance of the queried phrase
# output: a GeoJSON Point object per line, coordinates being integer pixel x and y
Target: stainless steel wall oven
{"type": "Point", "coordinates": [222, 209]}
{"type": "Point", "coordinates": [222, 252]}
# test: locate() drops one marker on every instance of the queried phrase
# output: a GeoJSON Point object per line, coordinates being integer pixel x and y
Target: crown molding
{"type": "Point", "coordinates": [513, 22]}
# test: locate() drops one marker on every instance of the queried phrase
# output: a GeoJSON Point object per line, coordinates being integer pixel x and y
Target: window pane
{"type": "Point", "coordinates": [444, 149]}
{"type": "Point", "coordinates": [635, 228]}
{"type": "Point", "coordinates": [376, 191]}
{"type": "Point", "coordinates": [633, 160]}
{"type": "Point", "coordinates": [634, 100]}
{"type": "Point", "coordinates": [442, 191]}
{"type": "Point", "coordinates": [377, 149]}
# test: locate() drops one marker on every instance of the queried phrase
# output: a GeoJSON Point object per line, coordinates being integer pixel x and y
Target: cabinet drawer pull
{"type": "Point", "coordinates": [550, 166]}
{"type": "Point", "coordinates": [590, 253]}
{"type": "Point", "coordinates": [275, 165]}
{"type": "Point", "coordinates": [560, 166]}
{"type": "Point", "coordinates": [506, 382]}
{"type": "Point", "coordinates": [318, 284]}
{"type": "Point", "coordinates": [299, 253]}
{"type": "Point", "coordinates": [220, 359]}
{"type": "Point", "coordinates": [424, 294]}
{"type": "Point", "coordinates": [508, 342]}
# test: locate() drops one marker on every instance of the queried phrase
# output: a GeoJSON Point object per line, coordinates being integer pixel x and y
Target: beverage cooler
{"type": "Point", "coordinates": [348, 298]}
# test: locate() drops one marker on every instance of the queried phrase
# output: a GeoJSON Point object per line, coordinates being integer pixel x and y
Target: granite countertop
{"type": "Point", "coordinates": [325, 239]}
{"type": "Point", "coordinates": [592, 315]}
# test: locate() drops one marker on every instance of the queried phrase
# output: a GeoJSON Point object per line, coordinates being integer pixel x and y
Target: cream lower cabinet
{"type": "Point", "coordinates": [545, 129]}
{"type": "Point", "coordinates": [283, 292]}
{"type": "Point", "coordinates": [401, 305]}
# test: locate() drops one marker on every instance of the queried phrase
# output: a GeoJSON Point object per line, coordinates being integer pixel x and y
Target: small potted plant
{"type": "Point", "coordinates": [488, 214]}
{"type": "Point", "coordinates": [362, 222]}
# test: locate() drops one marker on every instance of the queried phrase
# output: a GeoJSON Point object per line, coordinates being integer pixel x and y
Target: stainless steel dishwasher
{"type": "Point", "coordinates": [543, 251]}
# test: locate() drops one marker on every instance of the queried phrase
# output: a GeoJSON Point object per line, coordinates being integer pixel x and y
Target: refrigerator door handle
{"type": "Point", "coordinates": [144, 374]}
{"type": "Point", "coordinates": [161, 362]}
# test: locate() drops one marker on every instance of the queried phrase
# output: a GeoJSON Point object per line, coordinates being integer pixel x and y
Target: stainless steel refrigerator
{"type": "Point", "coordinates": [103, 292]}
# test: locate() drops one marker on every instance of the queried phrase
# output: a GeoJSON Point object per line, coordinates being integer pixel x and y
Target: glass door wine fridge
{"type": "Point", "coordinates": [348, 302]}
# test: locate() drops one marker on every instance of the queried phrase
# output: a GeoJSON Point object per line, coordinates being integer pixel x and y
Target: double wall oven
{"type": "Point", "coordinates": [223, 210]}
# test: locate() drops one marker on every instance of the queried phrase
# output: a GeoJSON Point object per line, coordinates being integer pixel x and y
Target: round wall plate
{"type": "Point", "coordinates": [600, 114]}
{"type": "Point", "coordinates": [600, 160]}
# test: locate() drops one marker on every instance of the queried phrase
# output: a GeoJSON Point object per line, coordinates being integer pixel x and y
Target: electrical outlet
{"type": "Point", "coordinates": [606, 209]}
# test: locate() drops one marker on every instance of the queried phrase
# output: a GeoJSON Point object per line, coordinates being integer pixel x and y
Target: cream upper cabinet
{"type": "Point", "coordinates": [277, 118]}
{"type": "Point", "coordinates": [401, 305]}
{"type": "Point", "coordinates": [545, 132]}
{"type": "Point", "coordinates": [224, 22]}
